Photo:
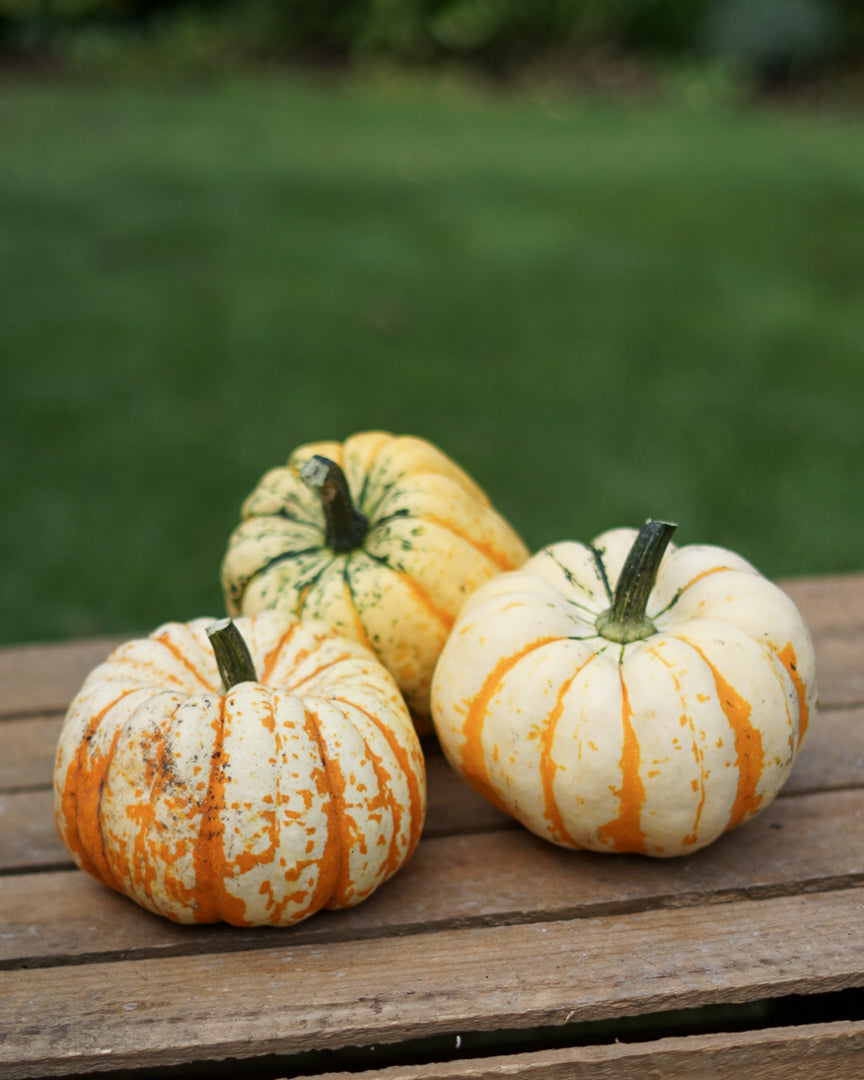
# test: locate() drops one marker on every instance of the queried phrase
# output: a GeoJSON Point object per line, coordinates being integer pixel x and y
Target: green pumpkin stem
{"type": "Point", "coordinates": [626, 619]}
{"type": "Point", "coordinates": [346, 526]}
{"type": "Point", "coordinates": [231, 652]}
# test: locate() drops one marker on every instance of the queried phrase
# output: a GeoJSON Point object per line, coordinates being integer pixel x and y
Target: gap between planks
{"type": "Point", "coordinates": [828, 1051]}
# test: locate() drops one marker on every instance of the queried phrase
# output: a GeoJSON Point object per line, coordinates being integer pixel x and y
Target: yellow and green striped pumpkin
{"type": "Point", "coordinates": [626, 695]}
{"type": "Point", "coordinates": [382, 536]}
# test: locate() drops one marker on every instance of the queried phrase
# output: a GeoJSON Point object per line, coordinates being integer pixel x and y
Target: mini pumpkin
{"type": "Point", "coordinates": [206, 792]}
{"type": "Point", "coordinates": [383, 537]}
{"type": "Point", "coordinates": [627, 695]}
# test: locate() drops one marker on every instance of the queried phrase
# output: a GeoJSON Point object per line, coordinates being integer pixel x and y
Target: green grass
{"type": "Point", "coordinates": [603, 312]}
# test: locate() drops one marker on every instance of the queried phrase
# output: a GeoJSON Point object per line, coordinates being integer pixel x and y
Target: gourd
{"type": "Point", "coordinates": [627, 695]}
{"type": "Point", "coordinates": [251, 776]}
{"type": "Point", "coordinates": [383, 537]}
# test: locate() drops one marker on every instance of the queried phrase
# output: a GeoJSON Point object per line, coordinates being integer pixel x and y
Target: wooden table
{"type": "Point", "coordinates": [492, 954]}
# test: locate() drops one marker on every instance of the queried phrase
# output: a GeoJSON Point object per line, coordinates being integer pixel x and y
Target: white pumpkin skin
{"type": "Point", "coordinates": [656, 746]}
{"type": "Point", "coordinates": [256, 807]}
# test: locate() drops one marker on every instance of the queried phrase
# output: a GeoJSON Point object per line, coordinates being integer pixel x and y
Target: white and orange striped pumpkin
{"type": "Point", "coordinates": [382, 536]}
{"type": "Point", "coordinates": [255, 805]}
{"type": "Point", "coordinates": [626, 696]}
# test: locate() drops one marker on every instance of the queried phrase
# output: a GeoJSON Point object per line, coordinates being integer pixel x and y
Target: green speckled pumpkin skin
{"type": "Point", "coordinates": [432, 539]}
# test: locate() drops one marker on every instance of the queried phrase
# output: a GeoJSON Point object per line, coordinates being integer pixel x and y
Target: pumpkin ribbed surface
{"type": "Point", "coordinates": [655, 746]}
{"type": "Point", "coordinates": [426, 538]}
{"type": "Point", "coordinates": [259, 805]}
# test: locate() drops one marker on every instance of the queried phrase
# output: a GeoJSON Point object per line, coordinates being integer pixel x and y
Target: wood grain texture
{"type": "Point", "coordinates": [809, 1052]}
{"type": "Point", "coordinates": [487, 928]}
{"type": "Point", "coordinates": [45, 678]}
{"type": "Point", "coordinates": [282, 1000]}
{"type": "Point", "coordinates": [29, 747]}
{"type": "Point", "coordinates": [28, 837]}
{"type": "Point", "coordinates": [799, 845]}
{"type": "Point", "coordinates": [833, 756]}
{"type": "Point", "coordinates": [831, 605]}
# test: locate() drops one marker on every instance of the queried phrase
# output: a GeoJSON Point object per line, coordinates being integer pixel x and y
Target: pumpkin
{"type": "Point", "coordinates": [206, 792]}
{"type": "Point", "coordinates": [627, 695]}
{"type": "Point", "coordinates": [383, 537]}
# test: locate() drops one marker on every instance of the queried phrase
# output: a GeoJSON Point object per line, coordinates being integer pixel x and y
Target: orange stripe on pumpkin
{"type": "Point", "coordinates": [212, 868]}
{"type": "Point", "coordinates": [330, 785]}
{"type": "Point", "coordinates": [497, 558]}
{"type": "Point", "coordinates": [409, 771]}
{"type": "Point", "coordinates": [624, 832]}
{"type": "Point", "coordinates": [180, 656]}
{"type": "Point", "coordinates": [292, 687]}
{"type": "Point", "coordinates": [359, 629]}
{"type": "Point", "coordinates": [548, 767]}
{"type": "Point", "coordinates": [750, 759]}
{"type": "Point", "coordinates": [441, 614]}
{"type": "Point", "coordinates": [142, 864]}
{"type": "Point", "coordinates": [273, 657]}
{"type": "Point", "coordinates": [472, 758]}
{"type": "Point", "coordinates": [700, 577]}
{"type": "Point", "coordinates": [81, 798]}
{"type": "Point", "coordinates": [789, 660]}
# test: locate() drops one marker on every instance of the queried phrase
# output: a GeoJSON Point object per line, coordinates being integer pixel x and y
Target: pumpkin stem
{"type": "Point", "coordinates": [346, 526]}
{"type": "Point", "coordinates": [231, 652]}
{"type": "Point", "coordinates": [626, 620]}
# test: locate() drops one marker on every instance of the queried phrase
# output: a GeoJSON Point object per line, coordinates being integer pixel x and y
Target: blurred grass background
{"type": "Point", "coordinates": [604, 309]}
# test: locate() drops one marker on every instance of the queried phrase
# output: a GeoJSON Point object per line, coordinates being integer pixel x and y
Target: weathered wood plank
{"type": "Point", "coordinates": [287, 1000]}
{"type": "Point", "coordinates": [452, 806]}
{"type": "Point", "coordinates": [45, 678]}
{"type": "Point", "coordinates": [28, 837]}
{"type": "Point", "coordinates": [831, 605]}
{"type": "Point", "coordinates": [833, 756]}
{"type": "Point", "coordinates": [832, 1051]}
{"type": "Point", "coordinates": [28, 749]}
{"type": "Point", "coordinates": [805, 844]}
{"type": "Point", "coordinates": [840, 670]}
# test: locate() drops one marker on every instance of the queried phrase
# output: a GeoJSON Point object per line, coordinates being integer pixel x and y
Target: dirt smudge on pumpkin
{"type": "Point", "coordinates": [624, 833]}
{"type": "Point", "coordinates": [472, 756]}
{"type": "Point", "coordinates": [212, 868]}
{"type": "Point", "coordinates": [142, 869]}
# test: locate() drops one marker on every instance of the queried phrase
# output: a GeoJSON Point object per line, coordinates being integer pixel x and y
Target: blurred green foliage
{"type": "Point", "coordinates": [604, 313]}
{"type": "Point", "coordinates": [765, 39]}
